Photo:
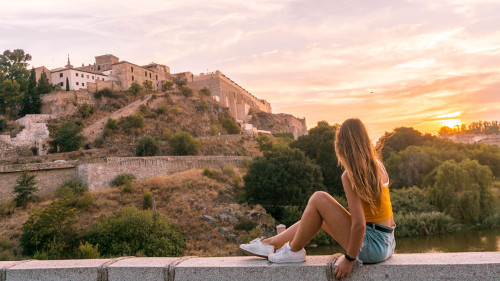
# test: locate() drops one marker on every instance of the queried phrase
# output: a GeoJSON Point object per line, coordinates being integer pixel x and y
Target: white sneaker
{"type": "Point", "coordinates": [285, 254]}
{"type": "Point", "coordinates": [257, 248]}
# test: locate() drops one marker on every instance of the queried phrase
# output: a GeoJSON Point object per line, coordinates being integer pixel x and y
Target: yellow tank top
{"type": "Point", "coordinates": [385, 210]}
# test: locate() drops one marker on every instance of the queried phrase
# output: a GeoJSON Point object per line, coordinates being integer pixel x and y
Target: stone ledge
{"type": "Point", "coordinates": [435, 266]}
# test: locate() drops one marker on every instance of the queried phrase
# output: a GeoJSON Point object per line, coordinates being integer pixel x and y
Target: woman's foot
{"type": "Point", "coordinates": [257, 248]}
{"type": "Point", "coordinates": [285, 255]}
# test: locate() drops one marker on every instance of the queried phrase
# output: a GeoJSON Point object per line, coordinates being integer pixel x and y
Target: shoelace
{"type": "Point", "coordinates": [255, 240]}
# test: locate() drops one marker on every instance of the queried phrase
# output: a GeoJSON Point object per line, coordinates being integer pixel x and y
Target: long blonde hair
{"type": "Point", "coordinates": [359, 158]}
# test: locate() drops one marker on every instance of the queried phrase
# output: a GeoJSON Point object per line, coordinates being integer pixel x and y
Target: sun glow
{"type": "Point", "coordinates": [451, 123]}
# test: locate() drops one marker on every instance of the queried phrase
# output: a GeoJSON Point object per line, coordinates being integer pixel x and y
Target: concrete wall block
{"type": "Point", "coordinates": [151, 269]}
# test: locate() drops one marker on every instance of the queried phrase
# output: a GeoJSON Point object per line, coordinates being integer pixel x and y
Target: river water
{"type": "Point", "coordinates": [469, 241]}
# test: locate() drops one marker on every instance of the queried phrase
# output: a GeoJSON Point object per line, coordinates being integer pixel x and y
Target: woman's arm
{"type": "Point", "coordinates": [358, 228]}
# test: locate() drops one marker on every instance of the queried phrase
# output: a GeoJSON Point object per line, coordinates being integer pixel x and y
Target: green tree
{"type": "Point", "coordinates": [283, 177]}
{"type": "Point", "coordinates": [132, 122]}
{"type": "Point", "coordinates": [319, 145]}
{"type": "Point", "coordinates": [167, 86]}
{"type": "Point", "coordinates": [399, 139]}
{"type": "Point", "coordinates": [67, 137]}
{"type": "Point", "coordinates": [230, 126]}
{"type": "Point", "coordinates": [44, 86]}
{"type": "Point", "coordinates": [147, 146]}
{"type": "Point", "coordinates": [148, 86]}
{"type": "Point", "coordinates": [135, 88]}
{"type": "Point", "coordinates": [31, 103]}
{"type": "Point", "coordinates": [183, 143]}
{"type": "Point", "coordinates": [132, 232]}
{"type": "Point", "coordinates": [205, 91]}
{"type": "Point", "coordinates": [463, 190]}
{"type": "Point", "coordinates": [67, 84]}
{"type": "Point", "coordinates": [14, 65]}
{"type": "Point", "coordinates": [50, 230]}
{"type": "Point", "coordinates": [25, 188]}
{"type": "Point", "coordinates": [179, 82]}
{"type": "Point", "coordinates": [10, 97]}
{"type": "Point", "coordinates": [86, 110]}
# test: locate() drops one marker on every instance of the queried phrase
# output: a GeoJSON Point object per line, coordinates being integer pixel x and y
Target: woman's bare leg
{"type": "Point", "coordinates": [321, 198]}
{"type": "Point", "coordinates": [322, 208]}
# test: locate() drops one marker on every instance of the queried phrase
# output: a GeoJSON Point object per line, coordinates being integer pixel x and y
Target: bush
{"type": "Point", "coordinates": [132, 232]}
{"type": "Point", "coordinates": [428, 223]}
{"type": "Point", "coordinates": [411, 199]}
{"type": "Point", "coordinates": [148, 86]}
{"type": "Point", "coordinates": [86, 202]}
{"type": "Point", "coordinates": [228, 171]}
{"type": "Point", "coordinates": [50, 230]}
{"type": "Point", "coordinates": [230, 126]}
{"type": "Point", "coordinates": [213, 174]}
{"type": "Point", "coordinates": [163, 109]}
{"type": "Point", "coordinates": [3, 124]}
{"type": "Point", "coordinates": [88, 251]}
{"type": "Point", "coordinates": [121, 179]}
{"type": "Point", "coordinates": [236, 181]}
{"type": "Point", "coordinates": [175, 111]}
{"type": "Point", "coordinates": [205, 91]}
{"type": "Point", "coordinates": [291, 215]}
{"type": "Point", "coordinates": [86, 110]}
{"type": "Point", "coordinates": [135, 88]}
{"type": "Point", "coordinates": [179, 82]}
{"type": "Point", "coordinates": [75, 185]}
{"type": "Point", "coordinates": [67, 137]}
{"type": "Point", "coordinates": [66, 192]}
{"type": "Point", "coordinates": [283, 177]}
{"type": "Point", "coordinates": [111, 124]}
{"type": "Point", "coordinates": [147, 200]}
{"type": "Point", "coordinates": [183, 143]}
{"type": "Point", "coordinates": [105, 93]}
{"type": "Point", "coordinates": [202, 107]}
{"type": "Point", "coordinates": [187, 91]}
{"type": "Point", "coordinates": [214, 130]}
{"type": "Point", "coordinates": [7, 208]}
{"type": "Point", "coordinates": [132, 122]}
{"type": "Point", "coordinates": [167, 86]}
{"type": "Point", "coordinates": [25, 188]}
{"type": "Point", "coordinates": [245, 224]}
{"type": "Point", "coordinates": [128, 187]}
{"type": "Point", "coordinates": [166, 134]}
{"type": "Point", "coordinates": [147, 146]}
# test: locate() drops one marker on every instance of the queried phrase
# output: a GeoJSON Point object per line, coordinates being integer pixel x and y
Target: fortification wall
{"type": "Point", "coordinates": [230, 94]}
{"type": "Point", "coordinates": [100, 174]}
{"type": "Point", "coordinates": [101, 85]}
{"type": "Point", "coordinates": [63, 103]}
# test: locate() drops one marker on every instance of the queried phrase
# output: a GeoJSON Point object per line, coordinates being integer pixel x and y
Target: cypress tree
{"type": "Point", "coordinates": [31, 101]}
{"type": "Point", "coordinates": [67, 84]}
{"type": "Point", "coordinates": [43, 84]}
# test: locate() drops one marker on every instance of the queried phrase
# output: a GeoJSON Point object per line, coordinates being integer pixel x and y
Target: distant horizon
{"type": "Point", "coordinates": [413, 63]}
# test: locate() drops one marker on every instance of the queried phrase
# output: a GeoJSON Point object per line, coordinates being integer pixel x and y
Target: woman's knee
{"type": "Point", "coordinates": [319, 196]}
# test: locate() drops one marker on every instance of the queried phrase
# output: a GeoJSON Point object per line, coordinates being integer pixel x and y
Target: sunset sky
{"type": "Point", "coordinates": [391, 63]}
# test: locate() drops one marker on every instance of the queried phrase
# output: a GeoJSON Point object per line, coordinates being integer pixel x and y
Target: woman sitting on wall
{"type": "Point", "coordinates": [366, 232]}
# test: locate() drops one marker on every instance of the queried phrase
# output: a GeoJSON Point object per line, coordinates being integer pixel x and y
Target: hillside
{"type": "Point", "coordinates": [204, 208]}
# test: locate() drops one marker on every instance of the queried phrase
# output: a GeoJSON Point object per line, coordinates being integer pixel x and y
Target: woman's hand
{"type": "Point", "coordinates": [343, 269]}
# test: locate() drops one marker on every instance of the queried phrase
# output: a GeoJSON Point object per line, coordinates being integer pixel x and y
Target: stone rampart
{"type": "Point", "coordinates": [98, 175]}
{"type": "Point", "coordinates": [433, 266]}
{"type": "Point", "coordinates": [63, 103]}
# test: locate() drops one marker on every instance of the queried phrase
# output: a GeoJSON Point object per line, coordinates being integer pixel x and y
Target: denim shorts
{"type": "Point", "coordinates": [377, 245]}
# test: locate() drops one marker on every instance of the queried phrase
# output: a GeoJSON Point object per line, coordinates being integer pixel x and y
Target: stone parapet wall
{"type": "Point", "coordinates": [433, 266]}
{"type": "Point", "coordinates": [64, 103]}
{"type": "Point", "coordinates": [98, 175]}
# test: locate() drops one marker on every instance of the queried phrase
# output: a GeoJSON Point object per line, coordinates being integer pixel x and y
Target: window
{"type": "Point", "coordinates": [76, 74]}
{"type": "Point", "coordinates": [61, 84]}
{"type": "Point", "coordinates": [60, 74]}
{"type": "Point", "coordinates": [132, 77]}
{"type": "Point", "coordinates": [102, 79]}
{"type": "Point", "coordinates": [156, 77]}
{"type": "Point", "coordinates": [146, 73]}
{"type": "Point", "coordinates": [150, 75]}
{"type": "Point", "coordinates": [77, 83]}
{"type": "Point", "coordinates": [83, 84]}
{"type": "Point", "coordinates": [131, 69]}
{"type": "Point", "coordinates": [87, 77]}
{"type": "Point", "coordinates": [92, 77]}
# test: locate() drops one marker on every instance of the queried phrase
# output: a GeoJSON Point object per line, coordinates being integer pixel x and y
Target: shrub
{"type": "Point", "coordinates": [166, 134]}
{"type": "Point", "coordinates": [147, 146]}
{"type": "Point", "coordinates": [213, 174]}
{"type": "Point", "coordinates": [202, 107]}
{"type": "Point", "coordinates": [246, 162]}
{"type": "Point", "coordinates": [175, 111]}
{"type": "Point", "coordinates": [428, 223]}
{"type": "Point", "coordinates": [230, 126]}
{"type": "Point", "coordinates": [179, 82]}
{"type": "Point", "coordinates": [128, 187]}
{"type": "Point", "coordinates": [236, 181]}
{"type": "Point", "coordinates": [167, 86]}
{"type": "Point", "coordinates": [3, 124]}
{"type": "Point", "coordinates": [163, 109]}
{"type": "Point", "coordinates": [25, 188]}
{"type": "Point", "coordinates": [121, 179]}
{"type": "Point", "coordinates": [291, 215]}
{"type": "Point", "coordinates": [86, 202]}
{"type": "Point", "coordinates": [135, 88]}
{"type": "Point", "coordinates": [228, 171]}
{"type": "Point", "coordinates": [75, 185]}
{"type": "Point", "coordinates": [50, 230]}
{"type": "Point", "coordinates": [205, 91]}
{"type": "Point", "coordinates": [132, 122]}
{"type": "Point", "coordinates": [88, 251]}
{"type": "Point", "coordinates": [86, 110]}
{"type": "Point", "coordinates": [245, 224]}
{"type": "Point", "coordinates": [67, 137]}
{"type": "Point", "coordinates": [66, 192]}
{"type": "Point", "coordinates": [105, 93]}
{"type": "Point", "coordinates": [147, 200]}
{"type": "Point", "coordinates": [412, 199]}
{"type": "Point", "coordinates": [148, 86]}
{"type": "Point", "coordinates": [214, 130]}
{"type": "Point", "coordinates": [132, 232]}
{"type": "Point", "coordinates": [111, 124]}
{"type": "Point", "coordinates": [183, 143]}
{"type": "Point", "coordinates": [6, 250]}
{"type": "Point", "coordinates": [7, 208]}
{"type": "Point", "coordinates": [100, 141]}
{"type": "Point", "coordinates": [186, 91]}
